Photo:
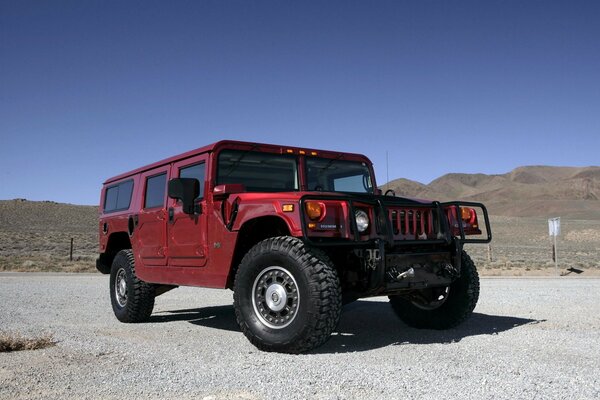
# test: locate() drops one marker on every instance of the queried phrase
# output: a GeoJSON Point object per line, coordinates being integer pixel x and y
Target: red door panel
{"type": "Point", "coordinates": [151, 231]}
{"type": "Point", "coordinates": [187, 236]}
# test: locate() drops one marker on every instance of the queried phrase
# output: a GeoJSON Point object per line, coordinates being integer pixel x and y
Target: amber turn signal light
{"type": "Point", "coordinates": [315, 210]}
{"type": "Point", "coordinates": [466, 213]}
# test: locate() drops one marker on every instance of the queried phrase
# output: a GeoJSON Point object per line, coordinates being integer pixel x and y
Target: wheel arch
{"type": "Point", "coordinates": [252, 232]}
{"type": "Point", "coordinates": [117, 241]}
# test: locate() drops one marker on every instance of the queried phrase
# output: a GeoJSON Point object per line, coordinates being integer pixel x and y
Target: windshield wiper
{"type": "Point", "coordinates": [330, 163]}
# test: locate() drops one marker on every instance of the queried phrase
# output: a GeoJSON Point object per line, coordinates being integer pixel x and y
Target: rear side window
{"type": "Point", "coordinates": [155, 191]}
{"type": "Point", "coordinates": [118, 197]}
{"type": "Point", "coordinates": [197, 172]}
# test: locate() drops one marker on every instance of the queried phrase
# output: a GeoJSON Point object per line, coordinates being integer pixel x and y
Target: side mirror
{"type": "Point", "coordinates": [186, 190]}
{"type": "Point", "coordinates": [221, 192]}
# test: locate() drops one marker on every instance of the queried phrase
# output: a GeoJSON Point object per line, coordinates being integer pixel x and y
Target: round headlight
{"type": "Point", "coordinates": [362, 220]}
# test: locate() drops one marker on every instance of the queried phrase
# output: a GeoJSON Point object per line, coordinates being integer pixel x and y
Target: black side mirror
{"type": "Point", "coordinates": [186, 190]}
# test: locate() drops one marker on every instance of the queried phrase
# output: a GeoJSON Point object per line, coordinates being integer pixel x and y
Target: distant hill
{"type": "Point", "coordinates": [36, 236]}
{"type": "Point", "coordinates": [539, 191]}
{"type": "Point", "coordinates": [20, 215]}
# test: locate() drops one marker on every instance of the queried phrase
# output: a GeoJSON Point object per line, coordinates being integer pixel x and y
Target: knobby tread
{"type": "Point", "coordinates": [459, 306]}
{"type": "Point", "coordinates": [325, 296]}
{"type": "Point", "coordinates": [140, 296]}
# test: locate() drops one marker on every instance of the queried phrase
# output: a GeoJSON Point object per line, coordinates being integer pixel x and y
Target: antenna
{"type": "Point", "coordinates": [387, 171]}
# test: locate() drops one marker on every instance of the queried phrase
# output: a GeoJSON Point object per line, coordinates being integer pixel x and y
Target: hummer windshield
{"type": "Point", "coordinates": [268, 172]}
{"type": "Point", "coordinates": [331, 175]}
{"type": "Point", "coordinates": [258, 172]}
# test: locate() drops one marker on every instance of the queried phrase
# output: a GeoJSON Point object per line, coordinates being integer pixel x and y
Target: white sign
{"type": "Point", "coordinates": [554, 226]}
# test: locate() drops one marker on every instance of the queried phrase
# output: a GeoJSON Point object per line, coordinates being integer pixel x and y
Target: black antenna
{"type": "Point", "coordinates": [387, 171]}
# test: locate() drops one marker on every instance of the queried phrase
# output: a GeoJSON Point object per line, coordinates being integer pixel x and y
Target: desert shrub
{"type": "Point", "coordinates": [16, 342]}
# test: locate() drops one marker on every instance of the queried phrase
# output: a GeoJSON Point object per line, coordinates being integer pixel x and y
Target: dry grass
{"type": "Point", "coordinates": [521, 246]}
{"type": "Point", "coordinates": [36, 236]}
{"type": "Point", "coordinates": [16, 342]}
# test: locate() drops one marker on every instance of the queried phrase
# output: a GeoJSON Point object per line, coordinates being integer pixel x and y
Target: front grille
{"type": "Point", "coordinates": [410, 223]}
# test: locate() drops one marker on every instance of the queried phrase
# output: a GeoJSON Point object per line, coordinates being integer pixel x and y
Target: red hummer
{"type": "Point", "coordinates": [294, 232]}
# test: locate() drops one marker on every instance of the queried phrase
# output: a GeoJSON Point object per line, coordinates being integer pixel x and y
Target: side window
{"type": "Point", "coordinates": [118, 197]}
{"type": "Point", "coordinates": [155, 191]}
{"type": "Point", "coordinates": [110, 200]}
{"type": "Point", "coordinates": [125, 190]}
{"type": "Point", "coordinates": [194, 171]}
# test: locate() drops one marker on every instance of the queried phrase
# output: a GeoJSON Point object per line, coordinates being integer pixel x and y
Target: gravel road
{"type": "Point", "coordinates": [528, 338]}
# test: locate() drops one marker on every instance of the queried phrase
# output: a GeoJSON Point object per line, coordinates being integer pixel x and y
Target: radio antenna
{"type": "Point", "coordinates": [387, 171]}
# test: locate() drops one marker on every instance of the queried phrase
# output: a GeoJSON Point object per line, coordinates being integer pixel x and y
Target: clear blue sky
{"type": "Point", "coordinates": [90, 89]}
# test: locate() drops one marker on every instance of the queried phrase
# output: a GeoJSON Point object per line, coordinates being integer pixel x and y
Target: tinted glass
{"type": "Point", "coordinates": [155, 191]}
{"type": "Point", "coordinates": [197, 172]}
{"type": "Point", "coordinates": [118, 197]}
{"type": "Point", "coordinates": [338, 175]}
{"type": "Point", "coordinates": [258, 172]}
{"type": "Point", "coordinates": [124, 197]}
{"type": "Point", "coordinates": [110, 201]}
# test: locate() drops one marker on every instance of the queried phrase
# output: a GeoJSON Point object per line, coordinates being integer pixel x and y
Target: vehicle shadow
{"type": "Point", "coordinates": [367, 325]}
{"type": "Point", "coordinates": [217, 317]}
{"type": "Point", "coordinates": [364, 325]}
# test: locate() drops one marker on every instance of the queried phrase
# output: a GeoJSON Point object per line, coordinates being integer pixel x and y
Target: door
{"type": "Point", "coordinates": [151, 229]}
{"type": "Point", "coordinates": [186, 233]}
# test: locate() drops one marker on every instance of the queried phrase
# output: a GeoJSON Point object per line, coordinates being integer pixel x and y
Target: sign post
{"type": "Point", "coordinates": [554, 231]}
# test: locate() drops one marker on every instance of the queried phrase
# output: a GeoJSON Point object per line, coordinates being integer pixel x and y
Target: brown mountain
{"type": "Point", "coordinates": [539, 191]}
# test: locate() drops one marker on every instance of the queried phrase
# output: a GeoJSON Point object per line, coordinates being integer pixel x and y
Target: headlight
{"type": "Point", "coordinates": [362, 220]}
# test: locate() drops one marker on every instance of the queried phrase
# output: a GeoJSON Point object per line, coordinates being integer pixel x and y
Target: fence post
{"type": "Point", "coordinates": [71, 252]}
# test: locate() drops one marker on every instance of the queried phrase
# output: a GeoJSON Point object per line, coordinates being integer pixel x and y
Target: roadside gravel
{"type": "Point", "coordinates": [529, 338]}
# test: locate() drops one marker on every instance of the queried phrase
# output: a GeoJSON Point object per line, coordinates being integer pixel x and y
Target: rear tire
{"type": "Point", "coordinates": [132, 299]}
{"type": "Point", "coordinates": [441, 308]}
{"type": "Point", "coordinates": [287, 296]}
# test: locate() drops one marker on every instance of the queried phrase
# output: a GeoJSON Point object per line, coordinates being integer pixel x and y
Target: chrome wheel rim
{"type": "Point", "coordinates": [121, 287]}
{"type": "Point", "coordinates": [275, 297]}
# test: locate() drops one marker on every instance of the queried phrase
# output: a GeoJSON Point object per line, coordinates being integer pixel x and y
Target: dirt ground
{"type": "Point", "coordinates": [528, 338]}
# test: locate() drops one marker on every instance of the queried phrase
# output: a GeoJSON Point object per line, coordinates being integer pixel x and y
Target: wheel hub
{"type": "Point", "coordinates": [275, 297]}
{"type": "Point", "coordinates": [121, 287]}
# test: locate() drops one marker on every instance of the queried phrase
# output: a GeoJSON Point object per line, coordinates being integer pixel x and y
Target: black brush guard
{"type": "Point", "coordinates": [385, 206]}
{"type": "Point", "coordinates": [400, 226]}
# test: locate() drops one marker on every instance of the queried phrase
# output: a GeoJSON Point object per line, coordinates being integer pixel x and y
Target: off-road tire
{"type": "Point", "coordinates": [311, 276]}
{"type": "Point", "coordinates": [458, 306]}
{"type": "Point", "coordinates": [138, 302]}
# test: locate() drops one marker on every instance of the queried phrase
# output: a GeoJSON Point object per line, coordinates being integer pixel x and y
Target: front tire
{"type": "Point", "coordinates": [441, 308]}
{"type": "Point", "coordinates": [132, 299]}
{"type": "Point", "coordinates": [287, 296]}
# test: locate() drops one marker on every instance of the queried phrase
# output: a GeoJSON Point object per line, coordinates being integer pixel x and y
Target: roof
{"type": "Point", "coordinates": [242, 146]}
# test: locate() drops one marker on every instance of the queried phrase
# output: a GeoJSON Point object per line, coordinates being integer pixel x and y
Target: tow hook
{"type": "Point", "coordinates": [409, 273]}
{"type": "Point", "coordinates": [395, 276]}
